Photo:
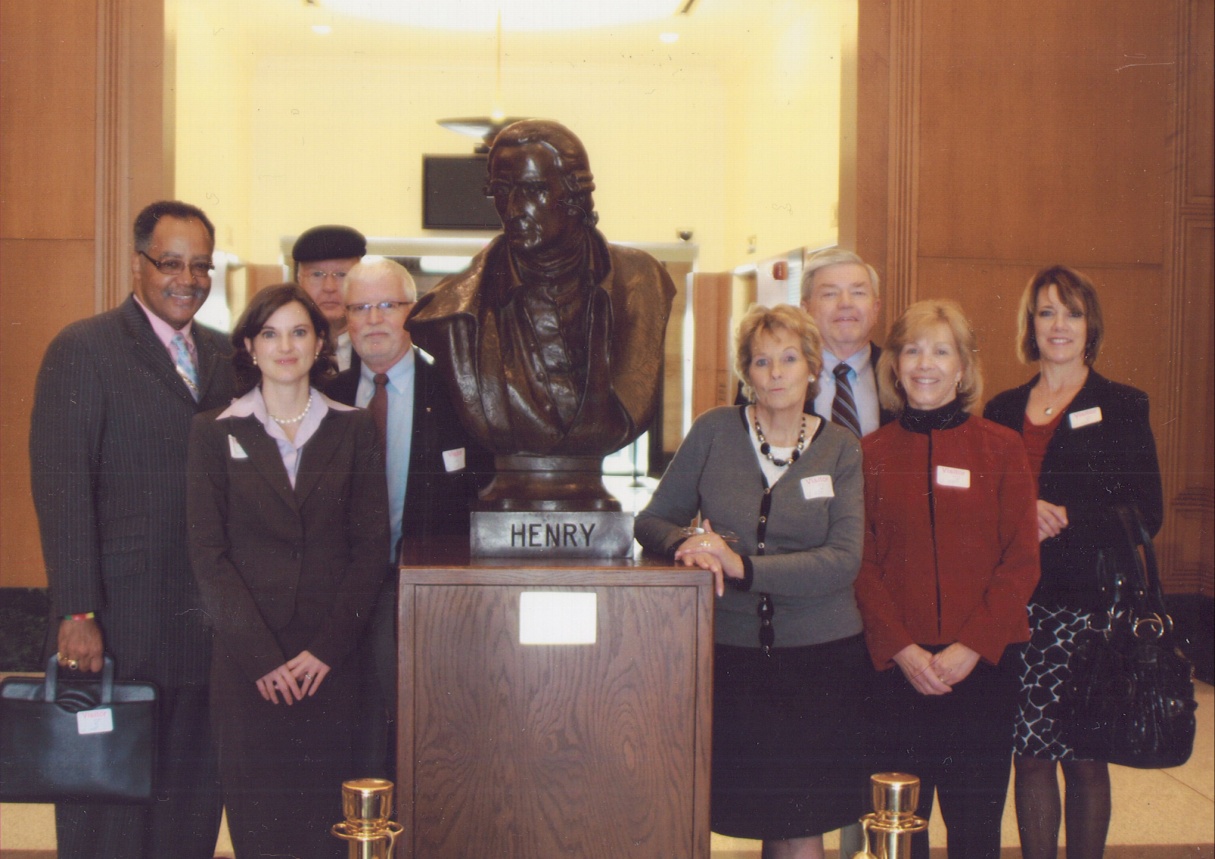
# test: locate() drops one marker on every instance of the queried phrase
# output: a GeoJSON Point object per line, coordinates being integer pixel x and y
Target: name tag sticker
{"type": "Point", "coordinates": [234, 448]}
{"type": "Point", "coordinates": [95, 721]}
{"type": "Point", "coordinates": [1085, 417]}
{"type": "Point", "coordinates": [957, 477]}
{"type": "Point", "coordinates": [818, 486]}
{"type": "Point", "coordinates": [453, 460]}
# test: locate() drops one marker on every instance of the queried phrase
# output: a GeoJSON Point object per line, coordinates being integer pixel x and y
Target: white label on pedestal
{"type": "Point", "coordinates": [547, 617]}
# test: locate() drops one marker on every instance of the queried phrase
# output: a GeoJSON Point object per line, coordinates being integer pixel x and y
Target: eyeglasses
{"type": "Point", "coordinates": [382, 306]}
{"type": "Point", "coordinates": [174, 266]}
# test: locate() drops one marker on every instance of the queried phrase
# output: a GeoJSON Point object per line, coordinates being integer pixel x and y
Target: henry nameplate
{"type": "Point", "coordinates": [536, 534]}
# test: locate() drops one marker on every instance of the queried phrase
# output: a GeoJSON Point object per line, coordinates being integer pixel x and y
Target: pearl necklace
{"type": "Point", "coordinates": [297, 418]}
{"type": "Point", "coordinates": [766, 449]}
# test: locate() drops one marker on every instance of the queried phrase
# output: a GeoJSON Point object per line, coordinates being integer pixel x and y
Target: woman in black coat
{"type": "Point", "coordinates": [288, 539]}
{"type": "Point", "coordinates": [1092, 448]}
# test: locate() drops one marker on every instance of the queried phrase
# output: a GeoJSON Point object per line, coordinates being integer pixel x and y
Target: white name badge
{"type": "Point", "coordinates": [1085, 417]}
{"type": "Point", "coordinates": [818, 486]}
{"type": "Point", "coordinates": [957, 477]}
{"type": "Point", "coordinates": [235, 449]}
{"type": "Point", "coordinates": [95, 721]}
{"type": "Point", "coordinates": [453, 460]}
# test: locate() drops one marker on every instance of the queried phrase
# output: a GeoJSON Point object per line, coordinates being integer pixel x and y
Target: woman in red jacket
{"type": "Point", "coordinates": [950, 561]}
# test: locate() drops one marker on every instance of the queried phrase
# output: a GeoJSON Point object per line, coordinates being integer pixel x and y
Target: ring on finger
{"type": "Point", "coordinates": [704, 544]}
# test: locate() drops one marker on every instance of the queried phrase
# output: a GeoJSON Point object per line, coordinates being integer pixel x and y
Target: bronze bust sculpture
{"type": "Point", "coordinates": [551, 341]}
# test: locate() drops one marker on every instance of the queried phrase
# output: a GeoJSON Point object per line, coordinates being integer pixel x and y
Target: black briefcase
{"type": "Point", "coordinates": [77, 740]}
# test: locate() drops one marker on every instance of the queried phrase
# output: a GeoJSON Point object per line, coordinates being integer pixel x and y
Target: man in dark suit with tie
{"type": "Point", "coordinates": [112, 409]}
{"type": "Point", "coordinates": [840, 290]}
{"type": "Point", "coordinates": [434, 468]}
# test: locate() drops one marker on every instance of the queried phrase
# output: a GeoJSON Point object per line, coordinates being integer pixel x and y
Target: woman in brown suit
{"type": "Point", "coordinates": [288, 536]}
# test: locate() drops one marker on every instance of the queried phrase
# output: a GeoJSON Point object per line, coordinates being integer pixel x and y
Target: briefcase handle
{"type": "Point", "coordinates": [50, 689]}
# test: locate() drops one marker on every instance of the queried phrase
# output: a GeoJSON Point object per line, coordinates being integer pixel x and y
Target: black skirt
{"type": "Point", "coordinates": [788, 739]}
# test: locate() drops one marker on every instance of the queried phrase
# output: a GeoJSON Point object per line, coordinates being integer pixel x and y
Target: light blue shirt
{"type": "Point", "coordinates": [400, 434]}
{"type": "Point", "coordinates": [864, 388]}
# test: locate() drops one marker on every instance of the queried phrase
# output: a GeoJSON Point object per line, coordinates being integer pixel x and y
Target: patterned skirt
{"type": "Point", "coordinates": [1044, 669]}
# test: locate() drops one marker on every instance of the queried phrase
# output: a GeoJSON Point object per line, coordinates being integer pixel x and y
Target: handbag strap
{"type": "Point", "coordinates": [1152, 569]}
{"type": "Point", "coordinates": [1147, 601]}
{"type": "Point", "coordinates": [50, 687]}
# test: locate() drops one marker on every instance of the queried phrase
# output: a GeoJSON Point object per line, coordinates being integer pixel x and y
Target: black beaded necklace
{"type": "Point", "coordinates": [766, 449]}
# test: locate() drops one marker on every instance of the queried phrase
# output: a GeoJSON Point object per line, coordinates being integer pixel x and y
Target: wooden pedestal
{"type": "Point", "coordinates": [539, 751]}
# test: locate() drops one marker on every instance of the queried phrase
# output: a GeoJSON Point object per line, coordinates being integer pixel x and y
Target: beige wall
{"type": "Point", "coordinates": [733, 133]}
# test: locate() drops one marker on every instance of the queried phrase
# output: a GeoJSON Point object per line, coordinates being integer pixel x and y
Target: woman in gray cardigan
{"type": "Point", "coordinates": [778, 498]}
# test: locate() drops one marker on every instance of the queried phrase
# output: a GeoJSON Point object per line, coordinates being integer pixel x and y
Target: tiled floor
{"type": "Point", "coordinates": [1158, 814]}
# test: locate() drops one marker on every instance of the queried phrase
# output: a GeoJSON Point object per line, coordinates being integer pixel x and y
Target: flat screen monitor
{"type": "Point", "coordinates": [453, 194]}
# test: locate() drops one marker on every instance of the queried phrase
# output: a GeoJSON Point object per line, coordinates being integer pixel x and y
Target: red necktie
{"type": "Point", "coordinates": [379, 408]}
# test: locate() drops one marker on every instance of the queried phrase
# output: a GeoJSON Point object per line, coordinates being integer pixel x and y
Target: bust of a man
{"type": "Point", "coordinates": [552, 339]}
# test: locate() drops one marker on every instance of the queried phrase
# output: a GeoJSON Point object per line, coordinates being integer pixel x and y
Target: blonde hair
{"type": "Point", "coordinates": [910, 326]}
{"type": "Point", "coordinates": [782, 317]}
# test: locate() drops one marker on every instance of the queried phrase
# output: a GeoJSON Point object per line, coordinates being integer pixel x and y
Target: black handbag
{"type": "Point", "coordinates": [78, 740]}
{"type": "Point", "coordinates": [1130, 697]}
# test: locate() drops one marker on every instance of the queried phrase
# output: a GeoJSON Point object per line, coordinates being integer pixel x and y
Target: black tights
{"type": "Point", "coordinates": [1039, 810]}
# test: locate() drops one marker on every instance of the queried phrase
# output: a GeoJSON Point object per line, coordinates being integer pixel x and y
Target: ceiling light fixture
{"type": "Point", "coordinates": [516, 14]}
{"type": "Point", "coordinates": [486, 128]}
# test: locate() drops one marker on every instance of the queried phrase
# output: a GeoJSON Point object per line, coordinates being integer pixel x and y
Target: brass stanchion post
{"type": "Point", "coordinates": [367, 806]}
{"type": "Point", "coordinates": [889, 828]}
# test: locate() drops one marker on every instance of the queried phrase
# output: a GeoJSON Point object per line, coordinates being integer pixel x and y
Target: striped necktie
{"type": "Point", "coordinates": [843, 407]}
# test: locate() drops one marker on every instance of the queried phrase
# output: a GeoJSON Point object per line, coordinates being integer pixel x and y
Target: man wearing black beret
{"type": "Point", "coordinates": [322, 256]}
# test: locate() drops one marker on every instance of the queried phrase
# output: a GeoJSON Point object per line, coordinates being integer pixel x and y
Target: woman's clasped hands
{"type": "Point", "coordinates": [293, 679]}
{"type": "Point", "coordinates": [936, 674]}
{"type": "Point", "coordinates": [708, 550]}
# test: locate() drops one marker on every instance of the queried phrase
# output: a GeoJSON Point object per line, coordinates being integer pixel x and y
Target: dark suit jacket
{"type": "Point", "coordinates": [108, 439]}
{"type": "Point", "coordinates": [436, 500]}
{"type": "Point", "coordinates": [282, 570]}
{"type": "Point", "coordinates": [885, 416]}
{"type": "Point", "coordinates": [1087, 470]}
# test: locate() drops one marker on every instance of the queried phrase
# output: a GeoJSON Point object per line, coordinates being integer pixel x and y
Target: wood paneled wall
{"type": "Point", "coordinates": [83, 113]}
{"type": "Point", "coordinates": [713, 380]}
{"type": "Point", "coordinates": [995, 138]}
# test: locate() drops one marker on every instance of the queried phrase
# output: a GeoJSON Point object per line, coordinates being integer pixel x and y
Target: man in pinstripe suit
{"type": "Point", "coordinates": [112, 410]}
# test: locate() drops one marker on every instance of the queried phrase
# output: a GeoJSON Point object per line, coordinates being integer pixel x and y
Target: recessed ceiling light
{"type": "Point", "coordinates": [668, 38]}
{"type": "Point", "coordinates": [322, 29]}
